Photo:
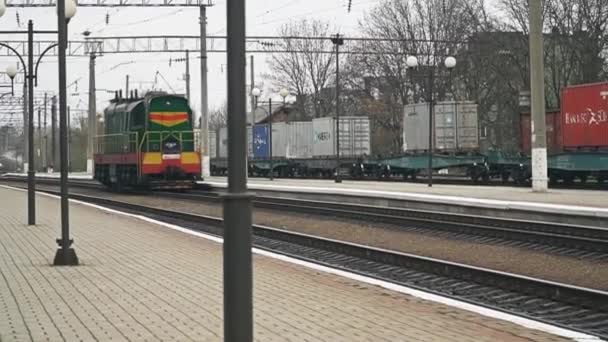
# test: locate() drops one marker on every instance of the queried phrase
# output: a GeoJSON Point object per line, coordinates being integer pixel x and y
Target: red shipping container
{"type": "Point", "coordinates": [585, 116]}
{"type": "Point", "coordinates": [553, 129]}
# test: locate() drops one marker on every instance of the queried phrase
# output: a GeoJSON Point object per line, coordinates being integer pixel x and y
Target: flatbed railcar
{"type": "Point", "coordinates": [148, 142]}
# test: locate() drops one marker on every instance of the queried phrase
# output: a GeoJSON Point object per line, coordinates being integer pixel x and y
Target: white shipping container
{"type": "Point", "coordinates": [354, 136]}
{"type": "Point", "coordinates": [280, 139]}
{"type": "Point", "coordinates": [300, 135]}
{"type": "Point", "coordinates": [212, 144]}
{"type": "Point", "coordinates": [323, 141]}
{"type": "Point", "coordinates": [455, 126]}
{"type": "Point", "coordinates": [223, 142]}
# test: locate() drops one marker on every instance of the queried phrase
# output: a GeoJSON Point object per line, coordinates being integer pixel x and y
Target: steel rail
{"type": "Point", "coordinates": [589, 243]}
{"type": "Point", "coordinates": [562, 239]}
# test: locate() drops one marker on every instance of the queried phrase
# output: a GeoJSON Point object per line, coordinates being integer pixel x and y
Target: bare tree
{"type": "Point", "coordinates": [303, 70]}
{"type": "Point", "coordinates": [575, 42]}
{"type": "Point", "coordinates": [218, 117]}
{"type": "Point", "coordinates": [428, 29]}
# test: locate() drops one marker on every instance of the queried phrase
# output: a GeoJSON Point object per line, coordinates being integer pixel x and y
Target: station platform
{"type": "Point", "coordinates": [142, 280]}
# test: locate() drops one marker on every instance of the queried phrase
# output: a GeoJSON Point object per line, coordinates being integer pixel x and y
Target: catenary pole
{"type": "Point", "coordinates": [539, 144]}
{"type": "Point", "coordinates": [204, 138]}
{"type": "Point", "coordinates": [238, 305]}
{"type": "Point", "coordinates": [91, 116]}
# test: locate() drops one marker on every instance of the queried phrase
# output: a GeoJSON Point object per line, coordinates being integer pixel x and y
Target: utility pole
{"type": "Point", "coordinates": [252, 97]}
{"type": "Point", "coordinates": [45, 155]}
{"type": "Point", "coordinates": [91, 119]}
{"type": "Point", "coordinates": [54, 152]}
{"type": "Point", "coordinates": [188, 75]}
{"type": "Point", "coordinates": [204, 141]}
{"type": "Point", "coordinates": [238, 273]}
{"type": "Point", "coordinates": [127, 88]}
{"type": "Point", "coordinates": [39, 150]}
{"type": "Point", "coordinates": [537, 85]}
{"type": "Point", "coordinates": [431, 117]}
{"type": "Point", "coordinates": [69, 141]}
{"type": "Point", "coordinates": [25, 156]}
{"type": "Point", "coordinates": [269, 137]}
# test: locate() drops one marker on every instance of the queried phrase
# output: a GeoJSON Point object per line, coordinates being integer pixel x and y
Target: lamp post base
{"type": "Point", "coordinates": [66, 257]}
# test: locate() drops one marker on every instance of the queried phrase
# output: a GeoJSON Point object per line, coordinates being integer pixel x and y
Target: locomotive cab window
{"type": "Point", "coordinates": [138, 117]}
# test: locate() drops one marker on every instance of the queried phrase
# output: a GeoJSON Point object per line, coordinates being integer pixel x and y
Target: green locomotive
{"type": "Point", "coordinates": [148, 142]}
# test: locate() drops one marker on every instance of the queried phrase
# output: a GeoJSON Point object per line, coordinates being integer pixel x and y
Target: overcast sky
{"type": "Point", "coordinates": [263, 18]}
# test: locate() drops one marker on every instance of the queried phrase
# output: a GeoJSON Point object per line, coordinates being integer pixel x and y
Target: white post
{"type": "Point", "coordinates": [537, 85]}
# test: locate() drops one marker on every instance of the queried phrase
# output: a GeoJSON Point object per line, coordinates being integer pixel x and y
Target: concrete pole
{"type": "Point", "coordinates": [45, 155]}
{"type": "Point", "coordinates": [25, 156]}
{"type": "Point", "coordinates": [188, 75]}
{"type": "Point", "coordinates": [238, 273]}
{"type": "Point", "coordinates": [204, 137]}
{"type": "Point", "coordinates": [537, 85]}
{"type": "Point", "coordinates": [54, 151]}
{"type": "Point", "coordinates": [92, 112]}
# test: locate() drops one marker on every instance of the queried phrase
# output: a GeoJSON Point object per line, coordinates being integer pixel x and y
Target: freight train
{"type": "Point", "coordinates": [577, 139]}
{"type": "Point", "coordinates": [147, 142]}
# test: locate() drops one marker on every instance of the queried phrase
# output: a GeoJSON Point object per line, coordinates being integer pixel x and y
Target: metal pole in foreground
{"type": "Point", "coordinates": [31, 174]}
{"type": "Point", "coordinates": [539, 145]}
{"type": "Point", "coordinates": [270, 138]}
{"type": "Point", "coordinates": [65, 254]}
{"type": "Point", "coordinates": [91, 119]}
{"type": "Point", "coordinates": [431, 109]}
{"type": "Point", "coordinates": [205, 153]}
{"type": "Point", "coordinates": [238, 305]}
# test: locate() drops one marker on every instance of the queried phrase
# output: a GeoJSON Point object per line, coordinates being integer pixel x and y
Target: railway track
{"type": "Point", "coordinates": [588, 243]}
{"type": "Point", "coordinates": [576, 308]}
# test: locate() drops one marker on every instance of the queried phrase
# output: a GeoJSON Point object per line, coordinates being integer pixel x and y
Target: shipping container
{"type": "Point", "coordinates": [261, 140]}
{"type": "Point", "coordinates": [279, 139]}
{"type": "Point", "coordinates": [584, 122]}
{"type": "Point", "coordinates": [223, 142]}
{"type": "Point", "coordinates": [415, 127]}
{"type": "Point", "coordinates": [354, 136]}
{"type": "Point", "coordinates": [300, 139]}
{"type": "Point", "coordinates": [455, 127]}
{"type": "Point", "coordinates": [553, 129]}
{"type": "Point", "coordinates": [212, 144]}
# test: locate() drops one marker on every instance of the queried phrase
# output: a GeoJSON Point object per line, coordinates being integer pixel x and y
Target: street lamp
{"type": "Point", "coordinates": [449, 63]}
{"type": "Point", "coordinates": [66, 9]}
{"type": "Point", "coordinates": [337, 40]}
{"type": "Point", "coordinates": [11, 70]}
{"type": "Point", "coordinates": [284, 93]}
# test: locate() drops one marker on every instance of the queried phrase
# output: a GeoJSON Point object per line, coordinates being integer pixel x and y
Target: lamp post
{"type": "Point", "coordinates": [65, 255]}
{"type": "Point", "coordinates": [11, 71]}
{"type": "Point", "coordinates": [412, 63]}
{"type": "Point", "coordinates": [30, 75]}
{"type": "Point", "coordinates": [255, 92]}
{"type": "Point", "coordinates": [337, 41]}
{"type": "Point", "coordinates": [284, 93]}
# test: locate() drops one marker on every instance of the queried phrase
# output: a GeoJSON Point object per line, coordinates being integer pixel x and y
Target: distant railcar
{"type": "Point", "coordinates": [148, 142]}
